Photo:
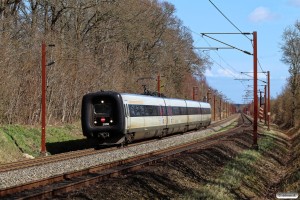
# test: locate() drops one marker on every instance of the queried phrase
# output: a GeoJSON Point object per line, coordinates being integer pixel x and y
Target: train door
{"type": "Point", "coordinates": [170, 120]}
{"type": "Point", "coordinates": [164, 114]}
{"type": "Point", "coordinates": [127, 116]}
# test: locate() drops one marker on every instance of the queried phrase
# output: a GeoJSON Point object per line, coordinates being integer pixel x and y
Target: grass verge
{"type": "Point", "coordinates": [15, 140]}
{"type": "Point", "coordinates": [246, 176]}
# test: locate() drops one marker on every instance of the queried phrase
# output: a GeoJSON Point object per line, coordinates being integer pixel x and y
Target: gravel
{"type": "Point", "coordinates": [22, 176]}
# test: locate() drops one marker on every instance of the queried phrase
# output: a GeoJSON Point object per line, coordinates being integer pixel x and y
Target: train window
{"type": "Point", "coordinates": [183, 110]}
{"type": "Point", "coordinates": [151, 110]}
{"type": "Point", "coordinates": [169, 109]}
{"type": "Point", "coordinates": [190, 111]}
{"type": "Point", "coordinates": [164, 110]}
{"type": "Point", "coordinates": [144, 110]}
{"type": "Point", "coordinates": [136, 110]}
{"type": "Point", "coordinates": [205, 111]}
{"type": "Point", "coordinates": [175, 110]}
{"type": "Point", "coordinates": [208, 110]}
{"type": "Point", "coordinates": [132, 110]}
{"type": "Point", "coordinates": [103, 108]}
{"type": "Point", "coordinates": [199, 111]}
{"type": "Point", "coordinates": [193, 111]}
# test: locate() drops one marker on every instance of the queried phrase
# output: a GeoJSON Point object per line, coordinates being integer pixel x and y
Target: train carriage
{"type": "Point", "coordinates": [194, 114]}
{"type": "Point", "coordinates": [145, 118]}
{"type": "Point", "coordinates": [177, 115]}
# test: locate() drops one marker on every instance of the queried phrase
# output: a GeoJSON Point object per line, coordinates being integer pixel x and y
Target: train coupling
{"type": "Point", "coordinates": [104, 135]}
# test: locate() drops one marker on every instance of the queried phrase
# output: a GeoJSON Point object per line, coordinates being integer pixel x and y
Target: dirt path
{"type": "Point", "coordinates": [227, 170]}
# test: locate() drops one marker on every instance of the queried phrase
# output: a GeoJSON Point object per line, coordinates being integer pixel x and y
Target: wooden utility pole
{"type": "Point", "coordinates": [265, 105]}
{"type": "Point", "coordinates": [208, 92]}
{"type": "Point", "coordinates": [255, 146]}
{"type": "Point", "coordinates": [214, 107]}
{"type": "Point", "coordinates": [43, 139]}
{"type": "Point", "coordinates": [158, 84]}
{"type": "Point", "coordinates": [194, 92]}
{"type": "Point", "coordinates": [260, 104]}
{"type": "Point", "coordinates": [220, 109]}
{"type": "Point", "coordinates": [269, 103]}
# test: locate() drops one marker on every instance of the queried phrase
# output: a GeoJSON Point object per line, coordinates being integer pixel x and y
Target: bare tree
{"type": "Point", "coordinates": [291, 56]}
{"type": "Point", "coordinates": [99, 45]}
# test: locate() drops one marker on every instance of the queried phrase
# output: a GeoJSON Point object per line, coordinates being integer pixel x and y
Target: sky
{"type": "Point", "coordinates": [269, 18]}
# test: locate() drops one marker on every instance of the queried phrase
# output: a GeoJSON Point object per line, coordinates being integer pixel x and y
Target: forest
{"type": "Point", "coordinates": [286, 107]}
{"type": "Point", "coordinates": [96, 45]}
{"type": "Point", "coordinates": [119, 45]}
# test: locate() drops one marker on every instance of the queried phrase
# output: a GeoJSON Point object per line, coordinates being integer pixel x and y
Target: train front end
{"type": "Point", "coordinates": [102, 117]}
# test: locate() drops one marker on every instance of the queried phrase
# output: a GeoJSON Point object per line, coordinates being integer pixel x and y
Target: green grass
{"type": "Point", "coordinates": [230, 126]}
{"type": "Point", "coordinates": [18, 139]}
{"type": "Point", "coordinates": [8, 150]}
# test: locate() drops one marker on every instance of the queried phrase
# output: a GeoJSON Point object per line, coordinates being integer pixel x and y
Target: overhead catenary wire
{"type": "Point", "coordinates": [246, 52]}
{"type": "Point", "coordinates": [232, 74]}
{"type": "Point", "coordinates": [228, 70]}
{"type": "Point", "coordinates": [215, 52]}
{"type": "Point", "coordinates": [236, 71]}
{"type": "Point", "coordinates": [236, 28]}
{"type": "Point", "coordinates": [228, 19]}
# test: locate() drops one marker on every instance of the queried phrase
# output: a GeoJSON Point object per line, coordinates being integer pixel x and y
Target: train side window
{"type": "Point", "coordinates": [136, 110]}
{"type": "Point", "coordinates": [183, 110]}
{"type": "Point", "coordinates": [190, 111]}
{"type": "Point", "coordinates": [155, 111]}
{"type": "Point", "coordinates": [175, 110]}
{"type": "Point", "coordinates": [199, 111]}
{"type": "Point", "coordinates": [131, 110]}
{"type": "Point", "coordinates": [151, 110]}
{"type": "Point", "coordinates": [140, 110]}
{"type": "Point", "coordinates": [169, 109]}
{"type": "Point", "coordinates": [164, 110]}
{"type": "Point", "coordinates": [147, 110]}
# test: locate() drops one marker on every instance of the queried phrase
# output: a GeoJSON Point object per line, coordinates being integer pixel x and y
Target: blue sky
{"type": "Point", "coordinates": [268, 17]}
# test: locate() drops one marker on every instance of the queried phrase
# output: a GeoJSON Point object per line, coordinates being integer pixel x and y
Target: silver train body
{"type": "Point", "coordinates": [118, 118]}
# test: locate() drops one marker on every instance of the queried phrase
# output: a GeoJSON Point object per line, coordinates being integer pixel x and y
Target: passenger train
{"type": "Point", "coordinates": [120, 118]}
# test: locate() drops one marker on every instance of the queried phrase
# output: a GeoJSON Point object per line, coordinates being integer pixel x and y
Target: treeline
{"type": "Point", "coordinates": [286, 108]}
{"type": "Point", "coordinates": [99, 45]}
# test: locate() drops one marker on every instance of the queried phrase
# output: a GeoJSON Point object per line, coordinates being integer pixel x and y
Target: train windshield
{"type": "Point", "coordinates": [103, 108]}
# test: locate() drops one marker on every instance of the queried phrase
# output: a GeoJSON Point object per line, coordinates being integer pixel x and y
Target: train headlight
{"type": "Point", "coordinates": [95, 122]}
{"type": "Point", "coordinates": [102, 101]}
{"type": "Point", "coordinates": [111, 121]}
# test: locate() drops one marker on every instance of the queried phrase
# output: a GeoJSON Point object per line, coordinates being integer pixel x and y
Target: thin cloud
{"type": "Point", "coordinates": [295, 3]}
{"type": "Point", "coordinates": [226, 73]}
{"type": "Point", "coordinates": [221, 73]}
{"type": "Point", "coordinates": [262, 14]}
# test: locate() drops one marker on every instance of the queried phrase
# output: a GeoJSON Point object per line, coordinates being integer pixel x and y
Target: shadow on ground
{"type": "Point", "coordinates": [72, 145]}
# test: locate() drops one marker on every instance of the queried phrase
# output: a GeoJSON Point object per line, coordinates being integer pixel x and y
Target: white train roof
{"type": "Point", "coordinates": [153, 100]}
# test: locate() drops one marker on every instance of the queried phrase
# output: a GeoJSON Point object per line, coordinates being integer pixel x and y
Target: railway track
{"type": "Point", "coordinates": [69, 181]}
